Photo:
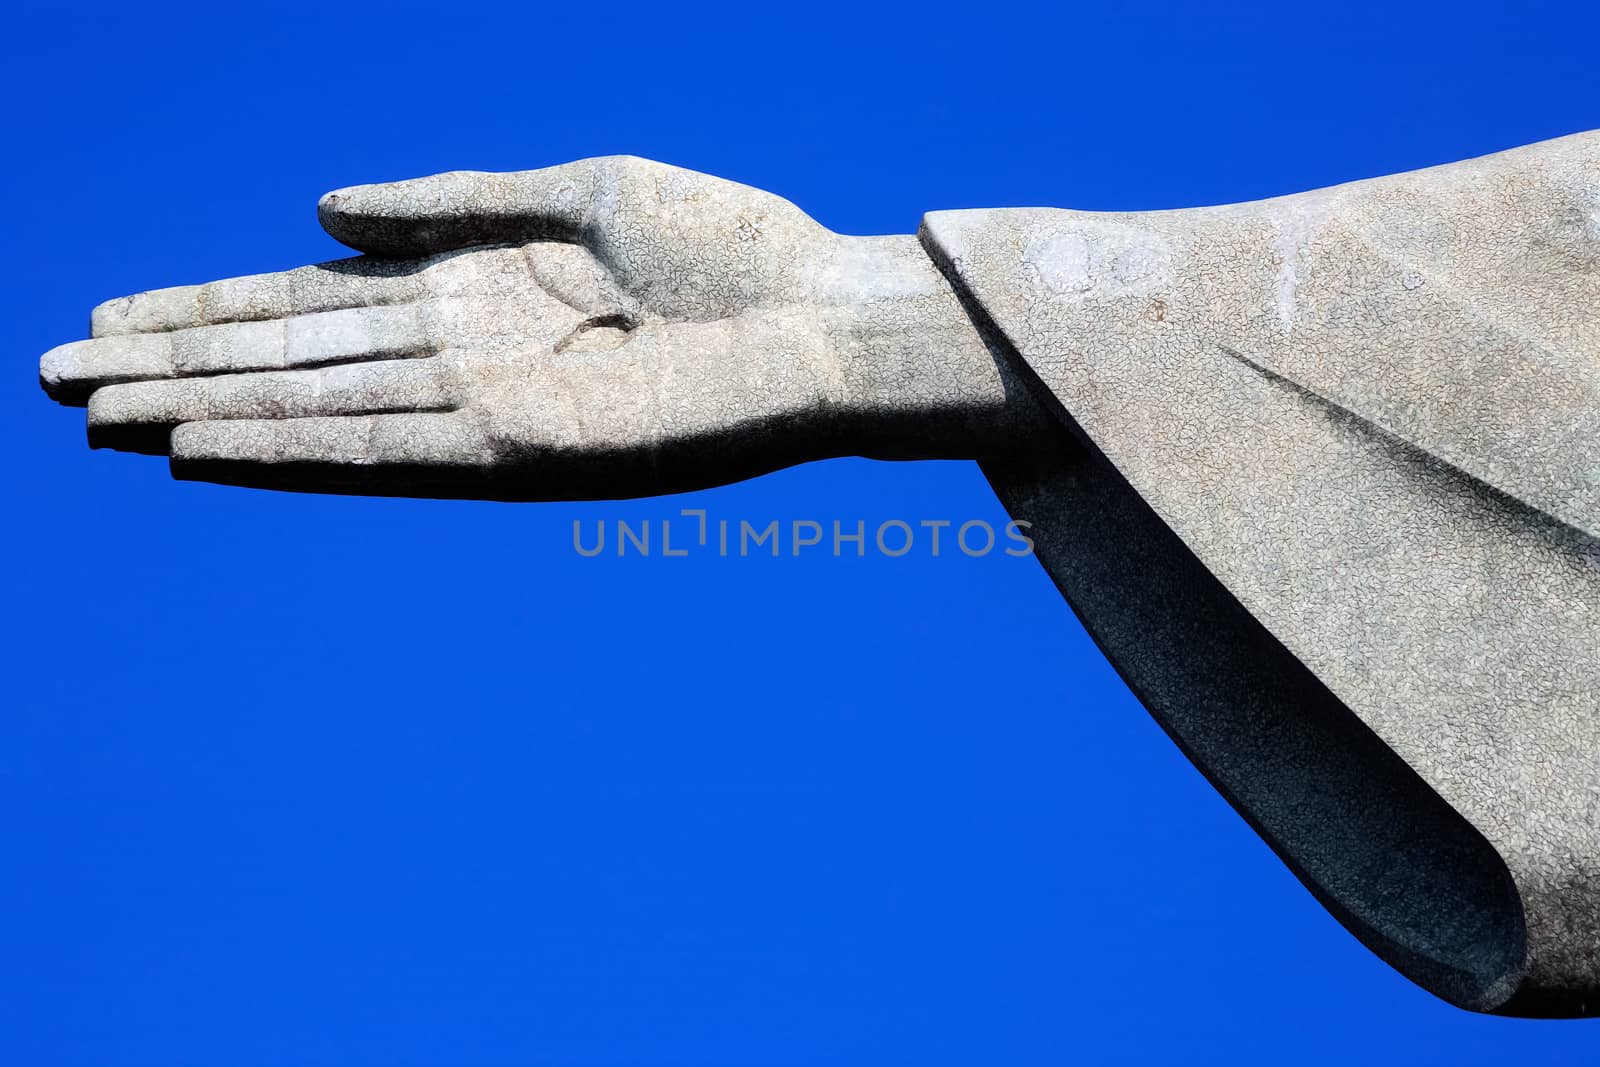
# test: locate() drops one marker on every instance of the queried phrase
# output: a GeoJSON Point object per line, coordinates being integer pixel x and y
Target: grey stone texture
{"type": "Point", "coordinates": [1370, 413]}
{"type": "Point", "coordinates": [607, 328]}
{"type": "Point", "coordinates": [1320, 474]}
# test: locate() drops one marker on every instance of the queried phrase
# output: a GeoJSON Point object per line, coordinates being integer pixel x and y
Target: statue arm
{"type": "Point", "coordinates": [608, 328]}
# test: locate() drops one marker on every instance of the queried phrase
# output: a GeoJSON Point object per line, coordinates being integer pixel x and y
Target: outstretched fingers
{"type": "Point", "coordinates": [139, 416]}
{"type": "Point", "coordinates": [70, 372]}
{"type": "Point", "coordinates": [346, 283]}
{"type": "Point", "coordinates": [460, 208]}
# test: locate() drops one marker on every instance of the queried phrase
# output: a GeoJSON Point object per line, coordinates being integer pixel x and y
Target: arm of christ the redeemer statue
{"type": "Point", "coordinates": [1321, 474]}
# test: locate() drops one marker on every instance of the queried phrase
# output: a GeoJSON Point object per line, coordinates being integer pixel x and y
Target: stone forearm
{"type": "Point", "coordinates": [919, 379]}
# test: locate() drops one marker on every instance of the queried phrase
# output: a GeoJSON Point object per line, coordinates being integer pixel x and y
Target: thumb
{"type": "Point", "coordinates": [425, 216]}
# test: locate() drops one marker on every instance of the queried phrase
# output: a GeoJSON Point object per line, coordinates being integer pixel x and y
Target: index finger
{"type": "Point", "coordinates": [344, 283]}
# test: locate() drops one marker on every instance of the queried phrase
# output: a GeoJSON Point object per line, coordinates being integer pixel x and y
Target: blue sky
{"type": "Point", "coordinates": [302, 780]}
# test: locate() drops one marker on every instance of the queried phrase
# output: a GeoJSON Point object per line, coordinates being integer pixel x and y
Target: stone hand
{"type": "Point", "coordinates": [606, 328]}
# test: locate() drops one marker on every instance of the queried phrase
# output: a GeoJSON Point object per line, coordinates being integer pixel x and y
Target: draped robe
{"type": "Point", "coordinates": [1327, 494]}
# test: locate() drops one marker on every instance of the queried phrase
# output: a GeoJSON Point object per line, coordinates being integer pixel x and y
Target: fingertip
{"type": "Point", "coordinates": [56, 366]}
{"type": "Point", "coordinates": [62, 376]}
{"type": "Point", "coordinates": [110, 317]}
{"type": "Point", "coordinates": [196, 455]}
{"type": "Point", "coordinates": [397, 219]}
{"type": "Point", "coordinates": [156, 311]}
{"type": "Point", "coordinates": [342, 214]}
{"type": "Point", "coordinates": [333, 206]}
{"type": "Point", "coordinates": [195, 440]}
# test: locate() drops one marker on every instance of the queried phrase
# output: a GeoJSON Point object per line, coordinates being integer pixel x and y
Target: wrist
{"type": "Point", "coordinates": [919, 378]}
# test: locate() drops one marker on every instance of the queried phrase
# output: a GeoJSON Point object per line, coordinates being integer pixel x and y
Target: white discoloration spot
{"type": "Point", "coordinates": [60, 364]}
{"type": "Point", "coordinates": [870, 269]}
{"type": "Point", "coordinates": [1100, 260]}
{"type": "Point", "coordinates": [1412, 280]}
{"type": "Point", "coordinates": [566, 198]}
{"type": "Point", "coordinates": [607, 192]}
{"type": "Point", "coordinates": [1296, 222]}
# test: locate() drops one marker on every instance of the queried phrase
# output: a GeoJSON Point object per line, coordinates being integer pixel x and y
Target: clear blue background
{"type": "Point", "coordinates": [300, 780]}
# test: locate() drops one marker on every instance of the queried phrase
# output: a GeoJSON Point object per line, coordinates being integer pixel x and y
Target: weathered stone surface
{"type": "Point", "coordinates": [1320, 473]}
{"type": "Point", "coordinates": [1370, 412]}
{"type": "Point", "coordinates": [617, 327]}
